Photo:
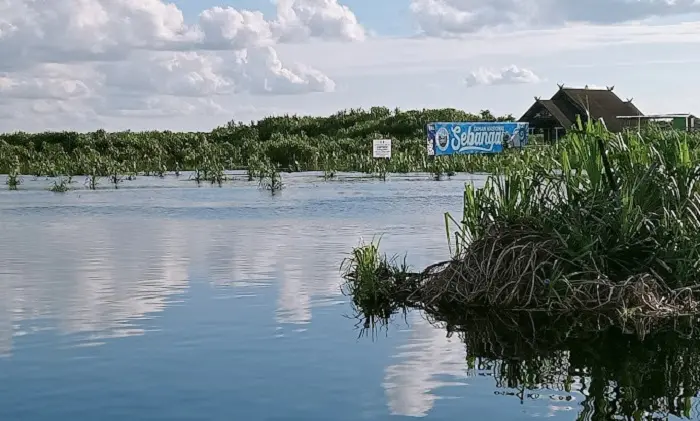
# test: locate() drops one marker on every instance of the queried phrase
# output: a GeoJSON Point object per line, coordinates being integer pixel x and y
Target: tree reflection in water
{"type": "Point", "coordinates": [648, 370]}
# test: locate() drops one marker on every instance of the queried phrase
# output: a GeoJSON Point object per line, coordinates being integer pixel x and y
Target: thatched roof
{"type": "Point", "coordinates": [555, 108]}
{"type": "Point", "coordinates": [567, 103]}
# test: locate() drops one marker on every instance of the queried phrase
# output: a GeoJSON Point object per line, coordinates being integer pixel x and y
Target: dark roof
{"type": "Point", "coordinates": [554, 108]}
{"type": "Point", "coordinates": [601, 103]}
{"type": "Point", "coordinates": [567, 103]}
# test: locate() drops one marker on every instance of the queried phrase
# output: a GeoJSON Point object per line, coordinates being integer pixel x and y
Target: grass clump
{"type": "Point", "coordinates": [612, 223]}
{"type": "Point", "coordinates": [375, 283]}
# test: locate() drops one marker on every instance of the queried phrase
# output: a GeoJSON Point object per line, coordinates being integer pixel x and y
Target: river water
{"type": "Point", "coordinates": [164, 301]}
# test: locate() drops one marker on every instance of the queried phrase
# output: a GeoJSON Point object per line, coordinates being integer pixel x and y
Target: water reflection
{"type": "Point", "coordinates": [427, 356]}
{"type": "Point", "coordinates": [100, 276]}
{"type": "Point", "coordinates": [582, 363]}
{"type": "Point", "coordinates": [92, 276]}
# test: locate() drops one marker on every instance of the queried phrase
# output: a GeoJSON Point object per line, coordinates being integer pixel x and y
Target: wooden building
{"type": "Point", "coordinates": [553, 117]}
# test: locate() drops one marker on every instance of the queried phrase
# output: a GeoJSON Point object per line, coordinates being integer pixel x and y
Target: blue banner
{"type": "Point", "coordinates": [472, 138]}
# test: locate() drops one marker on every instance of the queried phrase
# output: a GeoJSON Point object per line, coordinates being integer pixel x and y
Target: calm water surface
{"type": "Point", "coordinates": [163, 301]}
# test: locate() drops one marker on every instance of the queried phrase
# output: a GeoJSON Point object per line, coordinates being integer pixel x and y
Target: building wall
{"type": "Point", "coordinates": [680, 123]}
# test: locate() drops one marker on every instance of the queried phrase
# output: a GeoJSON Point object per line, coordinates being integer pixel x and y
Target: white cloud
{"type": "Point", "coordinates": [261, 72]}
{"type": "Point", "coordinates": [129, 54]}
{"type": "Point", "coordinates": [326, 19]}
{"type": "Point", "coordinates": [71, 64]}
{"type": "Point", "coordinates": [506, 76]}
{"type": "Point", "coordinates": [448, 18]}
{"type": "Point", "coordinates": [188, 74]}
{"type": "Point", "coordinates": [228, 28]}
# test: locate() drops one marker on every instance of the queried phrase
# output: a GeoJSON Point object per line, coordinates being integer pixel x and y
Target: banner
{"type": "Point", "coordinates": [477, 137]}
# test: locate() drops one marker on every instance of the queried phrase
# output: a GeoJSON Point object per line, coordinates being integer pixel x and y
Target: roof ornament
{"type": "Point", "coordinates": [585, 87]}
{"type": "Point", "coordinates": [630, 100]}
{"type": "Point", "coordinates": [537, 98]}
{"type": "Point", "coordinates": [610, 88]}
{"type": "Point", "coordinates": [560, 85]}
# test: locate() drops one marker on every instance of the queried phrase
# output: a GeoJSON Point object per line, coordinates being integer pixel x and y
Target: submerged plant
{"type": "Point", "coordinates": [61, 185]}
{"type": "Point", "coordinates": [329, 164]}
{"type": "Point", "coordinates": [14, 178]}
{"type": "Point", "coordinates": [271, 179]}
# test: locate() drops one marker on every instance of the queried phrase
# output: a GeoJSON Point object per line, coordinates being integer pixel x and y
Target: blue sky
{"type": "Point", "coordinates": [119, 64]}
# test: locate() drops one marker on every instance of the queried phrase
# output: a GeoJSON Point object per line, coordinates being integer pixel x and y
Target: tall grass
{"type": "Point", "coordinates": [620, 205]}
{"type": "Point", "coordinates": [600, 222]}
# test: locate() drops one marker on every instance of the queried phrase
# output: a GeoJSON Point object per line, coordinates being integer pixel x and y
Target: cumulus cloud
{"type": "Point", "coordinates": [188, 74]}
{"type": "Point", "coordinates": [506, 76]}
{"type": "Point", "coordinates": [302, 19]}
{"type": "Point", "coordinates": [447, 18]}
{"type": "Point", "coordinates": [142, 53]}
{"type": "Point", "coordinates": [260, 71]}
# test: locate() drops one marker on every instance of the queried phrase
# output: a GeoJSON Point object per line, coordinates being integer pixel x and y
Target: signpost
{"type": "Point", "coordinates": [381, 148]}
{"type": "Point", "coordinates": [474, 138]}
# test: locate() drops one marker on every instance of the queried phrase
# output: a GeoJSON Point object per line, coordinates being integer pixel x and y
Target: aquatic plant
{"type": "Point", "coordinates": [612, 224]}
{"type": "Point", "coordinates": [271, 179]}
{"type": "Point", "coordinates": [256, 168]}
{"type": "Point", "coordinates": [374, 282]}
{"type": "Point", "coordinates": [206, 161]}
{"type": "Point", "coordinates": [13, 180]}
{"type": "Point", "coordinates": [328, 164]}
{"type": "Point", "coordinates": [61, 185]}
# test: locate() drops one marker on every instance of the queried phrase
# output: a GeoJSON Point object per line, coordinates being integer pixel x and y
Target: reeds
{"type": "Point", "coordinates": [611, 223]}
{"type": "Point", "coordinates": [378, 285]}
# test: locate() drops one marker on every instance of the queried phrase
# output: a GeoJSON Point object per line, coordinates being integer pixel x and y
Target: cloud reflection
{"type": "Point", "coordinates": [89, 276]}
{"type": "Point", "coordinates": [411, 384]}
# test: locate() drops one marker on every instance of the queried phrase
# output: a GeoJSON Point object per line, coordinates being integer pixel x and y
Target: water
{"type": "Point", "coordinates": [163, 301]}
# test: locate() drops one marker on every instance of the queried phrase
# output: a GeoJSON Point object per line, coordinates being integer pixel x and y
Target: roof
{"type": "Point", "coordinates": [600, 103]}
{"type": "Point", "coordinates": [567, 103]}
{"type": "Point", "coordinates": [556, 112]}
{"type": "Point", "coordinates": [562, 111]}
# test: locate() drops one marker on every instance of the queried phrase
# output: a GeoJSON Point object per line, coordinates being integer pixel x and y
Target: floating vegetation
{"type": "Point", "coordinates": [611, 226]}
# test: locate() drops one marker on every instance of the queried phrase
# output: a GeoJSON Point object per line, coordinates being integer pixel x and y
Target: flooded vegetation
{"type": "Point", "coordinates": [612, 227]}
{"type": "Point", "coordinates": [562, 284]}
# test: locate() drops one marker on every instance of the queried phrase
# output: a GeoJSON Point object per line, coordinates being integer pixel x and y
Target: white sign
{"type": "Point", "coordinates": [381, 148]}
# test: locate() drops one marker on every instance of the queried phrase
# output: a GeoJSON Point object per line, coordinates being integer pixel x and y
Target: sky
{"type": "Point", "coordinates": [197, 64]}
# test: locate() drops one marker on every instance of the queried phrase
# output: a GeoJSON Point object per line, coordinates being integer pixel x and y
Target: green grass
{"type": "Point", "coordinates": [600, 222]}
{"type": "Point", "coordinates": [375, 283]}
{"type": "Point", "coordinates": [618, 205]}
